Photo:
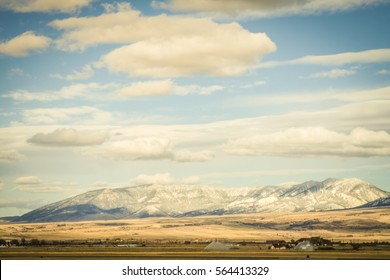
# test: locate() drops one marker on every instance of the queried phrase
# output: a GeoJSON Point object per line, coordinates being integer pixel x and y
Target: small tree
{"type": "Point", "coordinates": [14, 242]}
{"type": "Point", "coordinates": [34, 242]}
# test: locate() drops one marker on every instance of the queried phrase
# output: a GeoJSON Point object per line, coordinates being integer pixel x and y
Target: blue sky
{"type": "Point", "coordinates": [223, 93]}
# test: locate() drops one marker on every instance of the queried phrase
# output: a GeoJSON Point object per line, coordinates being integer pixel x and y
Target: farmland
{"type": "Point", "coordinates": [186, 238]}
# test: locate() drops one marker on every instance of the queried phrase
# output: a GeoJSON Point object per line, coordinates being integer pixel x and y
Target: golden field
{"type": "Point", "coordinates": [186, 238]}
{"type": "Point", "coordinates": [347, 225]}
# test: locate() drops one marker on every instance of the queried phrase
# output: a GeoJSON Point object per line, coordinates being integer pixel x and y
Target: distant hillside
{"type": "Point", "coordinates": [189, 200]}
{"type": "Point", "coordinates": [380, 202]}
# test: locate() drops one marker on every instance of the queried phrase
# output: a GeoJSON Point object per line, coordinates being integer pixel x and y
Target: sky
{"type": "Point", "coordinates": [241, 93]}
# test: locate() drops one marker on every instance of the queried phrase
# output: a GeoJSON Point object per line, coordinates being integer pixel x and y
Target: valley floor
{"type": "Point", "coordinates": [185, 238]}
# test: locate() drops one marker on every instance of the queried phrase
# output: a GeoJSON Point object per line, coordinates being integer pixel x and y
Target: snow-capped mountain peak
{"type": "Point", "coordinates": [189, 200]}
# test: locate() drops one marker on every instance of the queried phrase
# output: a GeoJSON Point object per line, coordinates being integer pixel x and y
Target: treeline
{"type": "Point", "coordinates": [43, 242]}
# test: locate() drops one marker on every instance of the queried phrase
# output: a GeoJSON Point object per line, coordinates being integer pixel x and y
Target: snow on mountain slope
{"type": "Point", "coordinates": [189, 200]}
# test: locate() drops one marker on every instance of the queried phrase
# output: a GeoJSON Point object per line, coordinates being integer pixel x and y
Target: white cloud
{"type": "Point", "coordinates": [164, 88]}
{"type": "Point", "coordinates": [163, 179]}
{"type": "Point", "coordinates": [313, 141]}
{"type": "Point", "coordinates": [24, 6]}
{"type": "Point", "coordinates": [262, 8]}
{"type": "Point", "coordinates": [225, 53]}
{"type": "Point", "coordinates": [10, 155]}
{"type": "Point", "coordinates": [334, 73]}
{"type": "Point", "coordinates": [136, 149]}
{"type": "Point", "coordinates": [28, 180]}
{"type": "Point", "coordinates": [83, 114]}
{"type": "Point", "coordinates": [368, 56]}
{"type": "Point", "coordinates": [88, 91]}
{"type": "Point", "coordinates": [184, 46]}
{"type": "Point", "coordinates": [147, 148]}
{"type": "Point", "coordinates": [69, 137]}
{"type": "Point", "coordinates": [21, 45]}
{"type": "Point", "coordinates": [85, 73]}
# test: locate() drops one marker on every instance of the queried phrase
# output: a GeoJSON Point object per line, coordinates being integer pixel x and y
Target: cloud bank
{"type": "Point", "coordinates": [313, 141]}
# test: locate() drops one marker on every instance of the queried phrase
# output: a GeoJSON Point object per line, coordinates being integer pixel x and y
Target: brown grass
{"type": "Point", "coordinates": [349, 225]}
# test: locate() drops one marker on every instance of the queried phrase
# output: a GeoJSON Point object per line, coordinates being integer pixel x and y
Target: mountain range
{"type": "Point", "coordinates": [178, 200]}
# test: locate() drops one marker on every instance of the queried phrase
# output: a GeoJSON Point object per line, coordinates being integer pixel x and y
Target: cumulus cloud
{"type": "Point", "coordinates": [147, 148]}
{"type": "Point", "coordinates": [368, 56]}
{"type": "Point", "coordinates": [313, 141]}
{"type": "Point", "coordinates": [163, 179]}
{"type": "Point", "coordinates": [225, 53]}
{"type": "Point", "coordinates": [10, 155]}
{"type": "Point", "coordinates": [24, 6]}
{"type": "Point", "coordinates": [69, 137]}
{"type": "Point", "coordinates": [184, 46]}
{"type": "Point", "coordinates": [262, 8]}
{"type": "Point", "coordinates": [65, 115]}
{"type": "Point", "coordinates": [164, 88]}
{"type": "Point", "coordinates": [23, 44]}
{"type": "Point", "coordinates": [136, 149]}
{"type": "Point", "coordinates": [28, 180]}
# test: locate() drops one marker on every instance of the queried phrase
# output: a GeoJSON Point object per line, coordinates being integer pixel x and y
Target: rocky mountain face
{"type": "Point", "coordinates": [189, 200]}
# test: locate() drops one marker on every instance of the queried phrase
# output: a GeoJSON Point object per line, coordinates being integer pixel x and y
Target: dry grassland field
{"type": "Point", "coordinates": [186, 238]}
